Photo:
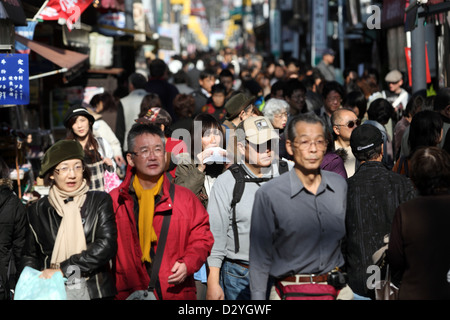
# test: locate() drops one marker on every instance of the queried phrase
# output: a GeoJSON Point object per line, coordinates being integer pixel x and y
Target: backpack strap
{"type": "Point", "coordinates": [282, 167]}
{"type": "Point", "coordinates": [238, 190]}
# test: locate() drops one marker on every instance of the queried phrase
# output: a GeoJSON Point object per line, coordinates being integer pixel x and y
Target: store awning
{"type": "Point", "coordinates": [66, 59]}
{"type": "Point", "coordinates": [14, 12]}
{"type": "Point", "coordinates": [61, 57]}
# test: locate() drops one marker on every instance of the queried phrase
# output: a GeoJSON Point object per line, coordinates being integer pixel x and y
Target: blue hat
{"type": "Point", "coordinates": [329, 51]}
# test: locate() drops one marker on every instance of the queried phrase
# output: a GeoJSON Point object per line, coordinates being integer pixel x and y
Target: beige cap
{"type": "Point", "coordinates": [256, 130]}
{"type": "Point", "coordinates": [393, 76]}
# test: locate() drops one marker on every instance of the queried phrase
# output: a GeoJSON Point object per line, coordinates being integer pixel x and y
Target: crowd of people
{"type": "Point", "coordinates": [238, 178]}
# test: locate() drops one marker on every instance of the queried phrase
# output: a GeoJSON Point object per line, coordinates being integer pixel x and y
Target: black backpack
{"type": "Point", "coordinates": [239, 186]}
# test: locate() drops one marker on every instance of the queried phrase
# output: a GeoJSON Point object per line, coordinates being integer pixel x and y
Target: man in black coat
{"type": "Point", "coordinates": [157, 83]}
{"type": "Point", "coordinates": [374, 193]}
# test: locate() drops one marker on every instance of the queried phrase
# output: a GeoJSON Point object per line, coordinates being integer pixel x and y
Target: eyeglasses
{"type": "Point", "coordinates": [145, 153]}
{"type": "Point", "coordinates": [65, 170]}
{"type": "Point", "coordinates": [321, 144]}
{"type": "Point", "coordinates": [350, 124]}
{"type": "Point", "coordinates": [281, 115]}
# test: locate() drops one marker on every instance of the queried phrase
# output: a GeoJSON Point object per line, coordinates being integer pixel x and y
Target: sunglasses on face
{"type": "Point", "coordinates": [350, 124]}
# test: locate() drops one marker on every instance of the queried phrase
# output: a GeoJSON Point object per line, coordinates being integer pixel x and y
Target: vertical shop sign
{"type": "Point", "coordinates": [14, 79]}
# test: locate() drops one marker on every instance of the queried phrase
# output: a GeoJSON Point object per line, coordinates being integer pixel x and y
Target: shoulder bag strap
{"type": "Point", "coordinates": [161, 244]}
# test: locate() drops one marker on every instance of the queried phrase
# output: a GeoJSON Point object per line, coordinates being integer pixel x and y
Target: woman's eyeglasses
{"type": "Point", "coordinates": [65, 170]}
{"type": "Point", "coordinates": [350, 124]}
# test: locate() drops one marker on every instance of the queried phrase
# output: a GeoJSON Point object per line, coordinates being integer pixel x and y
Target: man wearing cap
{"type": "Point", "coordinates": [374, 192]}
{"type": "Point", "coordinates": [396, 95]}
{"type": "Point", "coordinates": [229, 260]}
{"type": "Point", "coordinates": [239, 107]}
{"type": "Point", "coordinates": [326, 65]}
{"type": "Point", "coordinates": [298, 219]}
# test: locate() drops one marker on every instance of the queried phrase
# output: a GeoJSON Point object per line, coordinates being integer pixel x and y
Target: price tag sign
{"type": "Point", "coordinates": [14, 79]}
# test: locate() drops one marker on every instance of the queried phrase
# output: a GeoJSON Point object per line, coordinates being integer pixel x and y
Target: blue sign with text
{"type": "Point", "coordinates": [14, 79]}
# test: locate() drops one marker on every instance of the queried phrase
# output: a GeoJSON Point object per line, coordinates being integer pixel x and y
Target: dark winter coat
{"type": "Point", "coordinates": [373, 195]}
{"type": "Point", "coordinates": [100, 229]}
{"type": "Point", "coordinates": [12, 237]}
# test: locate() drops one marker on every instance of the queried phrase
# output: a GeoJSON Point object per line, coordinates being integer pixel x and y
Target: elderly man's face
{"type": "Point", "coordinates": [148, 156]}
{"type": "Point", "coordinates": [308, 147]}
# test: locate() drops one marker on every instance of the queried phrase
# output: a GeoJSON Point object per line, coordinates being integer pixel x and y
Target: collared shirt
{"type": "Point", "coordinates": [294, 231]}
{"type": "Point", "coordinates": [220, 213]}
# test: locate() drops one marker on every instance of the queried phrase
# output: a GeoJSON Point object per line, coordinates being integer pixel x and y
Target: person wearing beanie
{"type": "Point", "coordinates": [374, 192]}
{"type": "Point", "coordinates": [239, 107]}
{"type": "Point", "coordinates": [97, 151]}
{"type": "Point", "coordinates": [71, 230]}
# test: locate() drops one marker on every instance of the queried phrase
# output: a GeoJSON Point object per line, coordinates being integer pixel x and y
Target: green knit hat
{"type": "Point", "coordinates": [59, 152]}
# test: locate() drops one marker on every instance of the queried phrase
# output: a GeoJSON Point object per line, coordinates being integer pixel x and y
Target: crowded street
{"type": "Point", "coordinates": [240, 151]}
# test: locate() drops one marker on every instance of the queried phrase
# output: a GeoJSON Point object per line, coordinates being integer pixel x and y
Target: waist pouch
{"type": "Point", "coordinates": [307, 291]}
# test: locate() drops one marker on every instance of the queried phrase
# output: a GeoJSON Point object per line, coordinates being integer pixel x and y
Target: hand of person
{"type": "Point", "coordinates": [201, 156]}
{"type": "Point", "coordinates": [179, 273]}
{"type": "Point", "coordinates": [120, 160]}
{"type": "Point", "coordinates": [108, 161]}
{"type": "Point", "coordinates": [48, 273]}
{"type": "Point", "coordinates": [214, 292]}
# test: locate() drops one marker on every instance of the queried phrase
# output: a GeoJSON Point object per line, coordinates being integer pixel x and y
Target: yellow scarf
{"type": "Point", "coordinates": [146, 199]}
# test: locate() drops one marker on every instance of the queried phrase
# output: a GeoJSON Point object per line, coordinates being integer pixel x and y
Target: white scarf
{"type": "Point", "coordinates": [70, 239]}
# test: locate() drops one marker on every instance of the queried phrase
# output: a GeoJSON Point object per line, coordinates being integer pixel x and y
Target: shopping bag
{"type": "Point", "coordinates": [111, 180]}
{"type": "Point", "coordinates": [31, 287]}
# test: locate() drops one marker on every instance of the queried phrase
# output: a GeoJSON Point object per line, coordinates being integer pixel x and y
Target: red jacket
{"type": "Point", "coordinates": [189, 240]}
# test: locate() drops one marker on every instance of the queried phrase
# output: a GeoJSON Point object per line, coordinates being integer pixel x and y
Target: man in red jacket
{"type": "Point", "coordinates": [140, 203]}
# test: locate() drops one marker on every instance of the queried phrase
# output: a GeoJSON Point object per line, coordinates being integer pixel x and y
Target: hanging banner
{"type": "Point", "coordinates": [66, 11]}
{"type": "Point", "coordinates": [14, 79]}
{"type": "Point", "coordinates": [409, 65]}
{"type": "Point", "coordinates": [26, 32]}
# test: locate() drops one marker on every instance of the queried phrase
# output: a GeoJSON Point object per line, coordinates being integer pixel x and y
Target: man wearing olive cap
{"type": "Point", "coordinates": [374, 192]}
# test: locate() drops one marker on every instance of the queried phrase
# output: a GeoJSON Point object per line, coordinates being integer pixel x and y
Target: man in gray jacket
{"type": "Point", "coordinates": [129, 107]}
{"type": "Point", "coordinates": [228, 262]}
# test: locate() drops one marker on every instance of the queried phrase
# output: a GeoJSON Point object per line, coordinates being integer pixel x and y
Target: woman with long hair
{"type": "Point", "coordinates": [98, 153]}
{"type": "Point", "coordinates": [207, 139]}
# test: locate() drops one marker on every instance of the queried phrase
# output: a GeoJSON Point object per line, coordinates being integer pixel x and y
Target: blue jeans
{"type": "Point", "coordinates": [235, 281]}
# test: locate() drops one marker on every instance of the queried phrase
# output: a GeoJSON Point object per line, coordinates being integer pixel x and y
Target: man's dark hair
{"type": "Point", "coordinates": [143, 128]}
{"type": "Point", "coordinates": [304, 117]}
{"type": "Point", "coordinates": [157, 68]}
{"type": "Point", "coordinates": [442, 99]}
{"type": "Point", "coordinates": [430, 171]}
{"type": "Point", "coordinates": [330, 86]}
{"type": "Point", "coordinates": [380, 110]}
{"type": "Point", "coordinates": [226, 73]}
{"type": "Point", "coordinates": [137, 80]}
{"type": "Point", "coordinates": [369, 155]}
{"type": "Point", "coordinates": [424, 130]}
{"type": "Point", "coordinates": [291, 85]}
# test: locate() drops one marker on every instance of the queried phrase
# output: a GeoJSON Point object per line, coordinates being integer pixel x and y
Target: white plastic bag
{"type": "Point", "coordinates": [31, 287]}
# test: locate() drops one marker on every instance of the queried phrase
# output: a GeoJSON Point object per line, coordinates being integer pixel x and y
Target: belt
{"type": "Point", "coordinates": [237, 262]}
{"type": "Point", "coordinates": [306, 278]}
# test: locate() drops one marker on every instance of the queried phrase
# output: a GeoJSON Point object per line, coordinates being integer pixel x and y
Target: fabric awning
{"type": "Point", "coordinates": [61, 57]}
{"type": "Point", "coordinates": [14, 11]}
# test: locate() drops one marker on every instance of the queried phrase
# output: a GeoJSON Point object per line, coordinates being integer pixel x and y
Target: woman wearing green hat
{"type": "Point", "coordinates": [73, 229]}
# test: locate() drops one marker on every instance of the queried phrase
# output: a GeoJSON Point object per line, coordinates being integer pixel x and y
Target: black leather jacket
{"type": "Point", "coordinates": [100, 230]}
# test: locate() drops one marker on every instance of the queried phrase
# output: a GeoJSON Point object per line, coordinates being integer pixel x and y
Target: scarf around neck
{"type": "Point", "coordinates": [146, 199]}
{"type": "Point", "coordinates": [70, 238]}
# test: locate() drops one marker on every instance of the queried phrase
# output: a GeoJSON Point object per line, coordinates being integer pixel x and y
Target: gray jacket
{"type": "Point", "coordinates": [220, 216]}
